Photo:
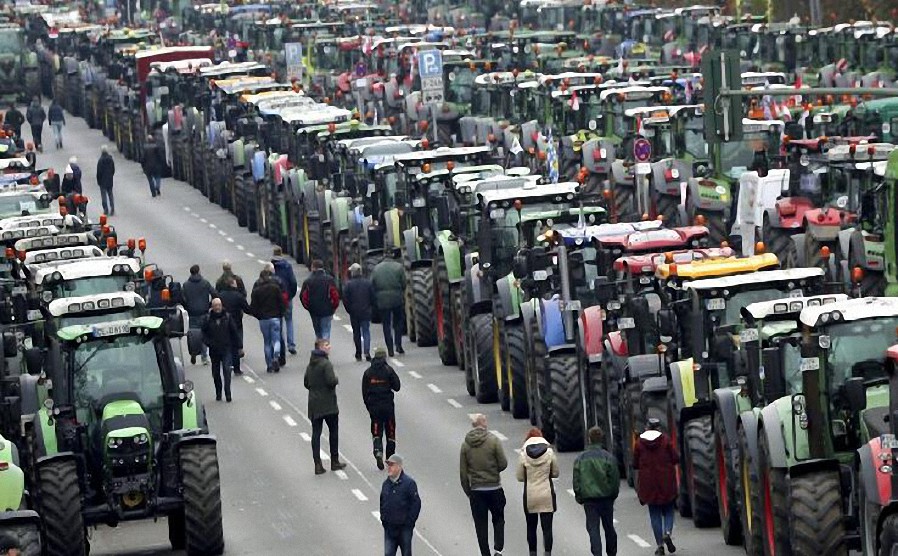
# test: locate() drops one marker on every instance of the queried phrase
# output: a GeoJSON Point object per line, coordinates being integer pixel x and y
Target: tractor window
{"type": "Point", "coordinates": [90, 285]}
{"type": "Point", "coordinates": [792, 368]}
{"type": "Point", "coordinates": [16, 205]}
{"type": "Point", "coordinates": [461, 86]}
{"type": "Point", "coordinates": [857, 349]}
{"type": "Point", "coordinates": [695, 142]}
{"type": "Point", "coordinates": [735, 304]}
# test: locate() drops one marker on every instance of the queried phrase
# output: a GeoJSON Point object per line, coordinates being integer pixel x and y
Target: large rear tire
{"type": "Point", "coordinates": [888, 536]}
{"type": "Point", "coordinates": [27, 536]}
{"type": "Point", "coordinates": [314, 241]}
{"type": "Point", "coordinates": [727, 497]}
{"type": "Point", "coordinates": [202, 500]}
{"type": "Point", "coordinates": [486, 389]}
{"type": "Point", "coordinates": [515, 364]}
{"type": "Point", "coordinates": [817, 521]}
{"type": "Point", "coordinates": [59, 505]}
{"type": "Point", "coordinates": [445, 323]}
{"type": "Point", "coordinates": [699, 442]}
{"type": "Point", "coordinates": [774, 490]}
{"type": "Point", "coordinates": [567, 402]}
{"type": "Point", "coordinates": [749, 496]}
{"type": "Point", "coordinates": [423, 306]}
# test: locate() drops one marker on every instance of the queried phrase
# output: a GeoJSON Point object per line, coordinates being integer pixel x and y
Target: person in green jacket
{"type": "Point", "coordinates": [481, 462]}
{"type": "Point", "coordinates": [596, 486]}
{"type": "Point", "coordinates": [388, 280]}
{"type": "Point", "coordinates": [321, 382]}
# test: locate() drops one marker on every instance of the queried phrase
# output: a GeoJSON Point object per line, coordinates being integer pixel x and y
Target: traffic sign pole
{"type": "Point", "coordinates": [430, 70]}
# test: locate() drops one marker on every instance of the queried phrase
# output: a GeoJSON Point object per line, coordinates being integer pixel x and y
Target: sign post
{"type": "Point", "coordinates": [293, 58]}
{"type": "Point", "coordinates": [430, 70]}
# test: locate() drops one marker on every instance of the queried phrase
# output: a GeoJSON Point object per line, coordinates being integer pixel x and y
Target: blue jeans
{"type": "Point", "coordinates": [287, 324]}
{"type": "Point", "coordinates": [57, 133]}
{"type": "Point", "coordinates": [271, 335]}
{"type": "Point", "coordinates": [155, 184]}
{"type": "Point", "coordinates": [361, 335]}
{"type": "Point", "coordinates": [662, 518]}
{"type": "Point", "coordinates": [108, 200]}
{"type": "Point", "coordinates": [392, 321]}
{"type": "Point", "coordinates": [398, 537]}
{"type": "Point", "coordinates": [322, 327]}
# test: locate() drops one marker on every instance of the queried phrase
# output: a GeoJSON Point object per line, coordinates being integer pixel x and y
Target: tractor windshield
{"type": "Point", "coordinates": [737, 156]}
{"type": "Point", "coordinates": [461, 85]}
{"type": "Point", "coordinates": [105, 368]}
{"type": "Point", "coordinates": [90, 285]}
{"type": "Point", "coordinates": [739, 300]}
{"type": "Point", "coordinates": [17, 205]}
{"type": "Point", "coordinates": [11, 41]}
{"type": "Point", "coordinates": [857, 349]}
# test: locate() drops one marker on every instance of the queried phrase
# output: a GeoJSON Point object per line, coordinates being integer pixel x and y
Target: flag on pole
{"type": "Point", "coordinates": [551, 158]}
{"type": "Point", "coordinates": [620, 65]}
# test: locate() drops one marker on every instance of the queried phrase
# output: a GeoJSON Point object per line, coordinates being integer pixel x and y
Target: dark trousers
{"type": "Point", "coordinates": [221, 373]}
{"type": "Point", "coordinates": [484, 503]}
{"type": "Point", "coordinates": [392, 321]}
{"type": "Point", "coordinates": [398, 537]}
{"type": "Point", "coordinates": [108, 200]}
{"type": "Point", "coordinates": [37, 132]}
{"type": "Point", "coordinates": [600, 510]}
{"type": "Point", "coordinates": [332, 433]}
{"type": "Point", "coordinates": [545, 520]}
{"type": "Point", "coordinates": [381, 423]}
{"type": "Point", "coordinates": [361, 336]}
{"type": "Point", "coordinates": [155, 184]}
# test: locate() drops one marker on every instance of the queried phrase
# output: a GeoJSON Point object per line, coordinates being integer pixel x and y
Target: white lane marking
{"type": "Point", "coordinates": [250, 255]}
{"type": "Point", "coordinates": [360, 495]}
{"type": "Point", "coordinates": [289, 420]}
{"type": "Point", "coordinates": [230, 239]}
{"type": "Point", "coordinates": [342, 474]}
{"type": "Point", "coordinates": [324, 456]}
{"type": "Point", "coordinates": [203, 220]}
{"type": "Point", "coordinates": [222, 233]}
{"type": "Point", "coordinates": [499, 435]}
{"type": "Point", "coordinates": [337, 318]}
{"type": "Point", "coordinates": [248, 379]}
{"type": "Point", "coordinates": [571, 492]}
{"type": "Point", "coordinates": [348, 327]}
{"type": "Point", "coordinates": [397, 362]}
{"type": "Point", "coordinates": [414, 374]}
{"type": "Point", "coordinates": [261, 392]}
{"type": "Point", "coordinates": [186, 209]}
{"type": "Point", "coordinates": [305, 436]}
{"type": "Point", "coordinates": [213, 226]}
{"type": "Point", "coordinates": [260, 261]}
{"type": "Point", "coordinates": [434, 388]}
{"type": "Point", "coordinates": [376, 515]}
{"type": "Point", "coordinates": [640, 542]}
{"type": "Point", "coordinates": [240, 248]}
{"type": "Point", "coordinates": [454, 403]}
{"type": "Point", "coordinates": [274, 405]}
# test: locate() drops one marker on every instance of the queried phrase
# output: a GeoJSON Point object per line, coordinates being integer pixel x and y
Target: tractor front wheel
{"type": "Point", "coordinates": [204, 534]}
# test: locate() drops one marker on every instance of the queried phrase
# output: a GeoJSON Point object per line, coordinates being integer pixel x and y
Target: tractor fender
{"type": "Point", "coordinates": [45, 440]}
{"type": "Point", "coordinates": [771, 423]}
{"type": "Point", "coordinates": [339, 214]}
{"type": "Point", "coordinates": [552, 324]}
{"type": "Point", "coordinates": [410, 242]}
{"type": "Point", "coordinates": [527, 316]}
{"type": "Point", "coordinates": [620, 175]}
{"type": "Point", "coordinates": [19, 517]}
{"type": "Point", "coordinates": [877, 485]}
{"type": "Point", "coordinates": [773, 219]}
{"type": "Point", "coordinates": [642, 367]}
{"type": "Point", "coordinates": [678, 172]}
{"type": "Point", "coordinates": [682, 380]}
{"type": "Point", "coordinates": [617, 343]}
{"type": "Point", "coordinates": [591, 333]}
{"type": "Point", "coordinates": [654, 384]}
{"type": "Point", "coordinates": [823, 226]}
{"type": "Point", "coordinates": [725, 403]}
{"type": "Point", "coordinates": [748, 421]}
{"type": "Point", "coordinates": [509, 297]}
{"type": "Point", "coordinates": [451, 255]}
{"type": "Point", "coordinates": [29, 398]}
{"type": "Point", "coordinates": [800, 259]}
{"type": "Point", "coordinates": [503, 303]}
{"type": "Point", "coordinates": [41, 461]}
{"type": "Point", "coordinates": [194, 440]}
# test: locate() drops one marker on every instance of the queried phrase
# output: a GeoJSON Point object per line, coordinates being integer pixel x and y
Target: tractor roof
{"type": "Point", "coordinates": [97, 302]}
{"type": "Point", "coordinates": [761, 277]}
{"type": "Point", "coordinates": [850, 310]}
{"type": "Point", "coordinates": [84, 268]}
{"type": "Point", "coordinates": [789, 306]}
{"type": "Point", "coordinates": [54, 241]}
{"type": "Point", "coordinates": [19, 233]}
{"type": "Point", "coordinates": [648, 263]}
{"type": "Point", "coordinates": [530, 189]}
{"type": "Point", "coordinates": [34, 221]}
{"type": "Point", "coordinates": [45, 256]}
{"type": "Point", "coordinates": [718, 267]}
{"type": "Point", "coordinates": [112, 328]}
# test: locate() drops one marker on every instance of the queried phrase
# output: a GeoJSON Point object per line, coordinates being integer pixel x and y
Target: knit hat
{"type": "Point", "coordinates": [380, 352]}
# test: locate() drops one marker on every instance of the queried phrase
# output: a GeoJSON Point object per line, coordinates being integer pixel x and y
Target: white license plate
{"type": "Point", "coordinates": [889, 442]}
{"type": "Point", "coordinates": [809, 364]}
{"type": "Point", "coordinates": [716, 304]}
{"type": "Point", "coordinates": [19, 290]}
{"type": "Point", "coordinates": [111, 329]}
{"type": "Point", "coordinates": [748, 335]}
{"type": "Point", "coordinates": [33, 314]}
{"type": "Point", "coordinates": [573, 305]}
{"type": "Point", "coordinates": [498, 213]}
{"type": "Point", "coordinates": [614, 305]}
{"type": "Point", "coordinates": [626, 323]}
{"type": "Point", "coordinates": [419, 202]}
{"type": "Point", "coordinates": [643, 168]}
{"type": "Point", "coordinates": [540, 275]}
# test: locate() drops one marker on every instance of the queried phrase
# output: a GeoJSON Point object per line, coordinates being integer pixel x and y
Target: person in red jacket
{"type": "Point", "coordinates": [656, 459]}
{"type": "Point", "coordinates": [320, 297]}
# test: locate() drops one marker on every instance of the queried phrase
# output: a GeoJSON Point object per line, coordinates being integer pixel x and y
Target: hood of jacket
{"type": "Point", "coordinates": [318, 353]}
{"type": "Point", "coordinates": [279, 262]}
{"type": "Point", "coordinates": [651, 440]}
{"type": "Point", "coordinates": [536, 449]}
{"type": "Point", "coordinates": [195, 278]}
{"type": "Point", "coordinates": [476, 437]}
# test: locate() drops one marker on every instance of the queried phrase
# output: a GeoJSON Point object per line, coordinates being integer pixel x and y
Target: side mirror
{"type": "Point", "coordinates": [855, 394]}
{"type": "Point", "coordinates": [667, 323]}
{"type": "Point", "coordinates": [34, 361]}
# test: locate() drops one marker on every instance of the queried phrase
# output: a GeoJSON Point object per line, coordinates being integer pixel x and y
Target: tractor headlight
{"type": "Point", "coordinates": [141, 439]}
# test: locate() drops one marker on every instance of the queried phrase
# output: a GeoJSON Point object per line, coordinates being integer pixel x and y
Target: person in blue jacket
{"type": "Point", "coordinates": [285, 275]}
{"type": "Point", "coordinates": [400, 506]}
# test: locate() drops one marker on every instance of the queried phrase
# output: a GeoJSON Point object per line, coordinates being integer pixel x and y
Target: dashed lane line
{"type": "Point", "coordinates": [250, 255]}
{"type": "Point", "coordinates": [260, 261]}
{"type": "Point", "coordinates": [203, 220]}
{"type": "Point", "coordinates": [262, 392]}
{"type": "Point", "coordinates": [213, 226]}
{"type": "Point", "coordinates": [499, 435]}
{"type": "Point", "coordinates": [230, 239]}
{"type": "Point", "coordinates": [359, 495]}
{"type": "Point", "coordinates": [289, 420]}
{"type": "Point", "coordinates": [397, 362]}
{"type": "Point", "coordinates": [274, 405]}
{"type": "Point", "coordinates": [348, 327]}
{"type": "Point", "coordinates": [414, 374]}
{"type": "Point", "coordinates": [305, 436]}
{"type": "Point", "coordinates": [186, 209]}
{"type": "Point", "coordinates": [248, 379]}
{"type": "Point", "coordinates": [434, 388]}
{"type": "Point", "coordinates": [222, 233]}
{"type": "Point", "coordinates": [342, 474]}
{"type": "Point", "coordinates": [640, 542]}
{"type": "Point", "coordinates": [454, 403]}
{"type": "Point", "coordinates": [240, 248]}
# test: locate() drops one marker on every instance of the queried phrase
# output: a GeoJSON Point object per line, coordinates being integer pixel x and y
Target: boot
{"type": "Point", "coordinates": [380, 461]}
{"type": "Point", "coordinates": [319, 469]}
{"type": "Point", "coordinates": [337, 465]}
{"type": "Point", "coordinates": [670, 545]}
{"type": "Point", "coordinates": [659, 551]}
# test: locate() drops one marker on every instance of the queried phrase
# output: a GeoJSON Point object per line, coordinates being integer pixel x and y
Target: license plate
{"type": "Point", "coordinates": [111, 329]}
{"type": "Point", "coordinates": [643, 168]}
{"type": "Point", "coordinates": [748, 335]}
{"type": "Point", "coordinates": [614, 305]}
{"type": "Point", "coordinates": [19, 290]}
{"type": "Point", "coordinates": [540, 275]}
{"type": "Point", "coordinates": [809, 364]}
{"type": "Point", "coordinates": [626, 323]}
{"type": "Point", "coordinates": [888, 441]}
{"type": "Point", "coordinates": [419, 202]}
{"type": "Point", "coordinates": [796, 293]}
{"type": "Point", "coordinates": [498, 213]}
{"type": "Point", "coordinates": [573, 305]}
{"type": "Point", "coordinates": [33, 314]}
{"type": "Point", "coordinates": [716, 304]}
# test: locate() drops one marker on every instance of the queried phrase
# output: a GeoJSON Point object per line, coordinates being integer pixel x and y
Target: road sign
{"type": "Point", "coordinates": [293, 58]}
{"type": "Point", "coordinates": [723, 116]}
{"type": "Point", "coordinates": [430, 69]}
{"type": "Point", "coordinates": [642, 150]}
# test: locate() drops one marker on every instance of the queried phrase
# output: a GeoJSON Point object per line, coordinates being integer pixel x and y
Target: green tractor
{"type": "Point", "coordinates": [16, 521]}
{"type": "Point", "coordinates": [122, 437]}
{"type": "Point", "coordinates": [19, 70]}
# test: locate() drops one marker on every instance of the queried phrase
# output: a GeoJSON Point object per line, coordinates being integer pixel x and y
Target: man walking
{"type": "Point", "coordinates": [320, 298]}
{"type": "Point", "coordinates": [105, 173]}
{"type": "Point", "coordinates": [57, 121]}
{"type": "Point", "coordinates": [400, 506]}
{"type": "Point", "coordinates": [268, 306]}
{"type": "Point", "coordinates": [153, 165]}
{"type": "Point", "coordinates": [388, 278]}
{"type": "Point", "coordinates": [234, 303]}
{"type": "Point", "coordinates": [321, 382]}
{"type": "Point", "coordinates": [198, 294]}
{"type": "Point", "coordinates": [14, 119]}
{"type": "Point", "coordinates": [481, 462]}
{"type": "Point", "coordinates": [220, 335]}
{"type": "Point", "coordinates": [36, 117]}
{"type": "Point", "coordinates": [358, 299]}
{"type": "Point", "coordinates": [284, 272]}
{"type": "Point", "coordinates": [596, 486]}
{"type": "Point", "coordinates": [227, 274]}
{"type": "Point", "coordinates": [379, 381]}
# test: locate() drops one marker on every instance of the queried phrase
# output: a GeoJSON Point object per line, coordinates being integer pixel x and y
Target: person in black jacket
{"type": "Point", "coordinates": [358, 298]}
{"type": "Point", "coordinates": [220, 334]}
{"type": "Point", "coordinates": [36, 117]}
{"type": "Point", "coordinates": [400, 506]}
{"type": "Point", "coordinates": [51, 183]}
{"type": "Point", "coordinates": [153, 165]}
{"type": "Point", "coordinates": [320, 298]}
{"type": "Point", "coordinates": [235, 305]}
{"type": "Point", "coordinates": [14, 119]}
{"type": "Point", "coordinates": [105, 173]}
{"type": "Point", "coordinates": [57, 121]}
{"type": "Point", "coordinates": [197, 295]}
{"type": "Point", "coordinates": [379, 381]}
{"type": "Point", "coordinates": [268, 306]}
{"type": "Point", "coordinates": [284, 273]}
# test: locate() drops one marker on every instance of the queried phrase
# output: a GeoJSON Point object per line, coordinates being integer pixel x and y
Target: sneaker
{"type": "Point", "coordinates": [358, 357]}
{"type": "Point", "coordinates": [400, 351]}
{"type": "Point", "coordinates": [669, 543]}
{"type": "Point", "coordinates": [367, 357]}
{"type": "Point", "coordinates": [390, 353]}
{"type": "Point", "coordinates": [237, 371]}
{"type": "Point", "coordinates": [380, 461]}
{"type": "Point", "coordinates": [659, 551]}
{"type": "Point", "coordinates": [292, 350]}
{"type": "Point", "coordinates": [193, 359]}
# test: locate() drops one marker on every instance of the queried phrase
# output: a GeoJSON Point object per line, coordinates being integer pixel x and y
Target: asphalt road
{"type": "Point", "coordinates": [273, 503]}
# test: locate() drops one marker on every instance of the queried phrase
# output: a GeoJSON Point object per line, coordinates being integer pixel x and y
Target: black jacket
{"type": "Point", "coordinates": [153, 162]}
{"type": "Point", "coordinates": [319, 294]}
{"type": "Point", "coordinates": [220, 333]}
{"type": "Point", "coordinates": [358, 298]}
{"type": "Point", "coordinates": [378, 384]}
{"type": "Point", "coordinates": [105, 170]}
{"type": "Point", "coordinates": [55, 114]}
{"type": "Point", "coordinates": [14, 119]}
{"type": "Point", "coordinates": [35, 114]}
{"type": "Point", "coordinates": [224, 280]}
{"type": "Point", "coordinates": [400, 504]}
{"type": "Point", "coordinates": [197, 293]}
{"type": "Point", "coordinates": [284, 272]}
{"type": "Point", "coordinates": [234, 304]}
{"type": "Point", "coordinates": [267, 299]}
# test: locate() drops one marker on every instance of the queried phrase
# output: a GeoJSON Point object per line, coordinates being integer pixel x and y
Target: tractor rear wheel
{"type": "Point", "coordinates": [59, 505]}
{"type": "Point", "coordinates": [749, 497]}
{"type": "Point", "coordinates": [423, 300]}
{"type": "Point", "coordinates": [888, 536]}
{"type": "Point", "coordinates": [727, 498]}
{"type": "Point", "coordinates": [699, 444]}
{"type": "Point", "coordinates": [817, 521]}
{"type": "Point", "coordinates": [486, 388]}
{"type": "Point", "coordinates": [445, 325]}
{"type": "Point", "coordinates": [202, 500]}
{"type": "Point", "coordinates": [314, 241]}
{"type": "Point", "coordinates": [27, 536]}
{"type": "Point", "coordinates": [567, 402]}
{"type": "Point", "coordinates": [774, 491]}
{"type": "Point", "coordinates": [515, 363]}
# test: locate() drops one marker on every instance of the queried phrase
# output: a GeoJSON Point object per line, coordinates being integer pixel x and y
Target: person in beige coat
{"type": "Point", "coordinates": [537, 467]}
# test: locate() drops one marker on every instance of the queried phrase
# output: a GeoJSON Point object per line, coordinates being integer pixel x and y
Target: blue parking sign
{"type": "Point", "coordinates": [430, 63]}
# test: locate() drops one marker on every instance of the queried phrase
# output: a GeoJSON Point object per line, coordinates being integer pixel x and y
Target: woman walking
{"type": "Point", "coordinates": [537, 467]}
{"type": "Point", "coordinates": [655, 457]}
